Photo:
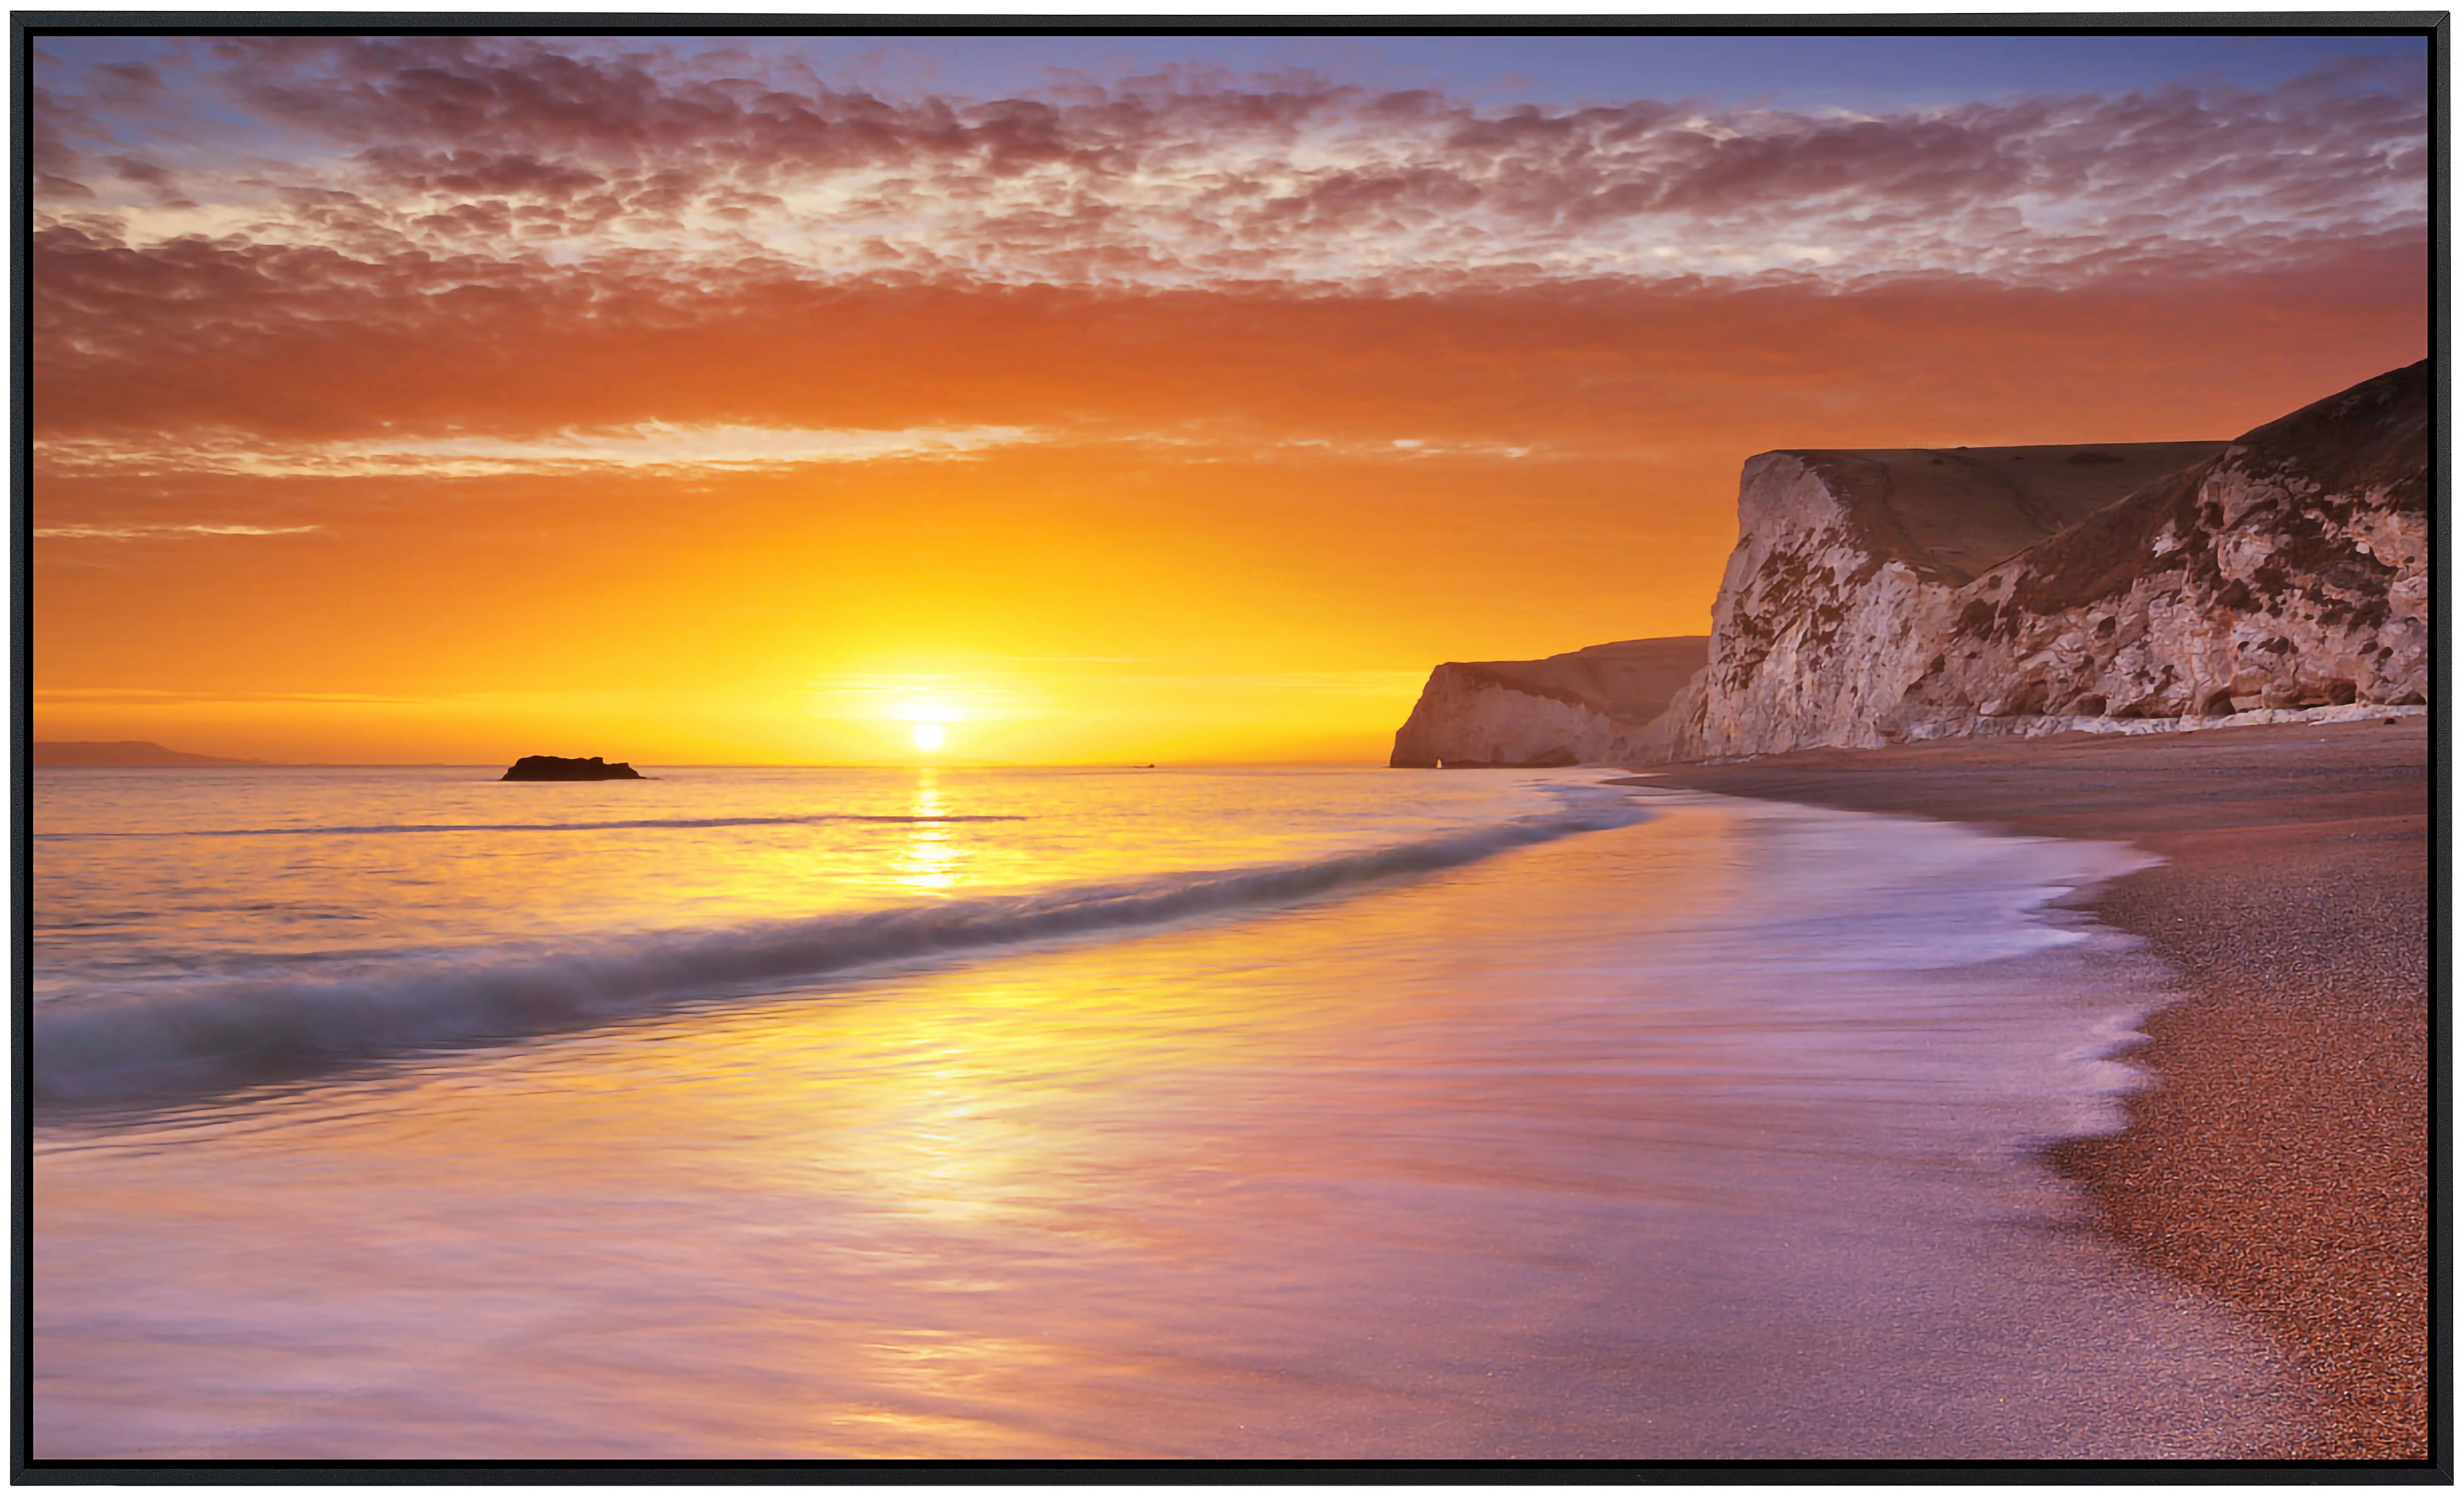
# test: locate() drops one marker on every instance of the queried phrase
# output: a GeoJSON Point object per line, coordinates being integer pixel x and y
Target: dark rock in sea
{"type": "Point", "coordinates": [541, 766]}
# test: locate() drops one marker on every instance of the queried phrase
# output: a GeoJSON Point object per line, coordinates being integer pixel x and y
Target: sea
{"type": "Point", "coordinates": [980, 1113]}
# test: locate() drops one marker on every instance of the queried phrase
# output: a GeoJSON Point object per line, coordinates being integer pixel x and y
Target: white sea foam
{"type": "Point", "coordinates": [176, 1035]}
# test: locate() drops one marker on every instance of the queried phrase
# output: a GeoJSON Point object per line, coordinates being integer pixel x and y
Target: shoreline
{"type": "Point", "coordinates": [1597, 1151]}
{"type": "Point", "coordinates": [2280, 1160]}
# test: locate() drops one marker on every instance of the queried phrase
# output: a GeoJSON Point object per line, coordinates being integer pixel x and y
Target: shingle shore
{"type": "Point", "coordinates": [2281, 1161]}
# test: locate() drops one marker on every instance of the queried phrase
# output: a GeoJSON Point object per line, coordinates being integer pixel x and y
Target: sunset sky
{"type": "Point", "coordinates": [749, 400]}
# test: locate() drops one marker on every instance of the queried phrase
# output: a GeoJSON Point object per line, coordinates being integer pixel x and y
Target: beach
{"type": "Point", "coordinates": [2279, 1163]}
{"type": "Point", "coordinates": [1264, 1114]}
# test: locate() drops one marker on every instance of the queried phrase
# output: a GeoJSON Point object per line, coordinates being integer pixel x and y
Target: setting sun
{"type": "Point", "coordinates": [930, 737]}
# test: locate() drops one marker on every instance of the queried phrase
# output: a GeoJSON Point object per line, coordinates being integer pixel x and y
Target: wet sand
{"type": "Point", "coordinates": [2281, 1162]}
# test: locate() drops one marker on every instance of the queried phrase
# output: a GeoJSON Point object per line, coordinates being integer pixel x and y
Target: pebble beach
{"type": "Point", "coordinates": [2280, 1160]}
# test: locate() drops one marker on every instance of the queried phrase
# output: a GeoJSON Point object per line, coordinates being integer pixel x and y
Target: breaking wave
{"type": "Point", "coordinates": [169, 1038]}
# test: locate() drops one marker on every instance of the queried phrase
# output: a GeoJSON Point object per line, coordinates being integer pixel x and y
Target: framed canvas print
{"type": "Point", "coordinates": [1044, 749]}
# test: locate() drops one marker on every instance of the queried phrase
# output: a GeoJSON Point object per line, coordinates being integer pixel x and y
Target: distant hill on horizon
{"type": "Point", "coordinates": [128, 756]}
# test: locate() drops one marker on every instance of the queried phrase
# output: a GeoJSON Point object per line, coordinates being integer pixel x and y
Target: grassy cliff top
{"type": "Point", "coordinates": [1631, 680]}
{"type": "Point", "coordinates": [1958, 511]}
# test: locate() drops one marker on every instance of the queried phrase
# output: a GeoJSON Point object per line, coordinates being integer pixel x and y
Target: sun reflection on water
{"type": "Point", "coordinates": [930, 860]}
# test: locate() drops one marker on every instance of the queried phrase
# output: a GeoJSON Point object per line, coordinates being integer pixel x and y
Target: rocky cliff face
{"type": "Point", "coordinates": [1876, 597]}
{"type": "Point", "coordinates": [1589, 706]}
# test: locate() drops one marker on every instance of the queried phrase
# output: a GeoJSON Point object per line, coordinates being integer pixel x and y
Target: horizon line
{"type": "Point", "coordinates": [1193, 763]}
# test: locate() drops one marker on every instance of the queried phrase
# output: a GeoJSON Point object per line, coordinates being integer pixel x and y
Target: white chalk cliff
{"type": "Point", "coordinates": [1587, 706]}
{"type": "Point", "coordinates": [1884, 596]}
{"type": "Point", "coordinates": [1879, 597]}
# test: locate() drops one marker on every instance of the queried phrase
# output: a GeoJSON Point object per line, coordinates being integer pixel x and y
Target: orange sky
{"type": "Point", "coordinates": [308, 494]}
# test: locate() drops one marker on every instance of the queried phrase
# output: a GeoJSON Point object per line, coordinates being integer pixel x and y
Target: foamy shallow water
{"type": "Point", "coordinates": [1708, 1135]}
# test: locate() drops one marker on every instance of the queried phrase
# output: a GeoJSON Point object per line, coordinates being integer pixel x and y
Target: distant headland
{"type": "Point", "coordinates": [543, 766]}
{"type": "Point", "coordinates": [128, 756]}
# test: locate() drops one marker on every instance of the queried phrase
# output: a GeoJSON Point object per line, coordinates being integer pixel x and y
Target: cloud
{"type": "Point", "coordinates": [50, 149]}
{"type": "Point", "coordinates": [154, 532]}
{"type": "Point", "coordinates": [649, 445]}
{"type": "Point", "coordinates": [1215, 442]}
{"type": "Point", "coordinates": [476, 155]}
{"type": "Point", "coordinates": [117, 696]}
{"type": "Point", "coordinates": [214, 357]}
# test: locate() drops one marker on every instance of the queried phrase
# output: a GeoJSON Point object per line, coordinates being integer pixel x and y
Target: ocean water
{"type": "Point", "coordinates": [999, 1114]}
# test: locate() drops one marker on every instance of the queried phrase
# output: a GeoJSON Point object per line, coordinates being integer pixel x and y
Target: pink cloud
{"type": "Point", "coordinates": [503, 146]}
